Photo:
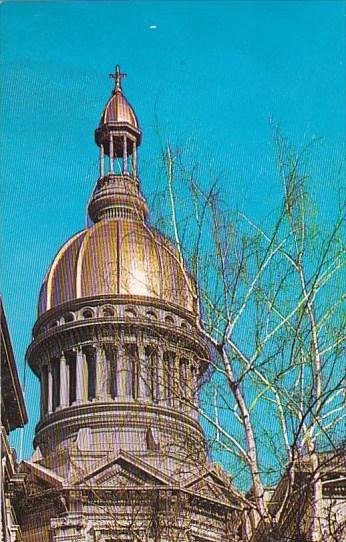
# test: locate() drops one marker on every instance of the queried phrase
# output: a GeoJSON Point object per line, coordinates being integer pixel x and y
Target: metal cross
{"type": "Point", "coordinates": [117, 76]}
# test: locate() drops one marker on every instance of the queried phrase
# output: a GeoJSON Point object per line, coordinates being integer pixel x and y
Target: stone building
{"type": "Point", "coordinates": [119, 451]}
{"type": "Point", "coordinates": [292, 496]}
{"type": "Point", "coordinates": [13, 416]}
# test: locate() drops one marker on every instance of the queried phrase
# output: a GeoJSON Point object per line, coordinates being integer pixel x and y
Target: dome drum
{"type": "Point", "coordinates": [113, 424]}
{"type": "Point", "coordinates": [110, 319]}
{"type": "Point", "coordinates": [125, 183]}
{"type": "Point", "coordinates": [140, 364]}
{"type": "Point", "coordinates": [118, 308]}
{"type": "Point", "coordinates": [122, 204]}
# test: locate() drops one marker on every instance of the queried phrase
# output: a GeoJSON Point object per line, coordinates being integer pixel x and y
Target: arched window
{"type": "Point", "coordinates": [151, 315]}
{"type": "Point", "coordinates": [68, 317]}
{"type": "Point", "coordinates": [130, 313]}
{"type": "Point", "coordinates": [169, 320]}
{"type": "Point", "coordinates": [88, 313]}
{"type": "Point", "coordinates": [108, 312]}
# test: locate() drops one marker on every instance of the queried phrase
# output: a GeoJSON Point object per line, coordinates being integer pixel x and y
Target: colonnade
{"type": "Point", "coordinates": [105, 372]}
{"type": "Point", "coordinates": [129, 148]}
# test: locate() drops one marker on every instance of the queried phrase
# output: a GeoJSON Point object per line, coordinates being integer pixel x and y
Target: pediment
{"type": "Point", "coordinates": [209, 489]}
{"type": "Point", "coordinates": [118, 476]}
{"type": "Point", "coordinates": [210, 485]}
{"type": "Point", "coordinates": [125, 470]}
{"type": "Point", "coordinates": [41, 478]}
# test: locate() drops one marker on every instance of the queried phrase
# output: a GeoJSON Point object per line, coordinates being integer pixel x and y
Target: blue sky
{"type": "Point", "coordinates": [211, 76]}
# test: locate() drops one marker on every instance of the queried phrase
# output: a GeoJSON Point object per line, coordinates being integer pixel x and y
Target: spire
{"type": "Point", "coordinates": [117, 76]}
{"type": "Point", "coordinates": [117, 193]}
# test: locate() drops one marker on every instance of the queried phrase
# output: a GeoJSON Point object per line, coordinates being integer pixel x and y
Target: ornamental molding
{"type": "Point", "coordinates": [106, 412]}
{"type": "Point", "coordinates": [118, 303]}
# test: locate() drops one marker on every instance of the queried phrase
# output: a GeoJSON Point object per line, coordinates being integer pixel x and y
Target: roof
{"type": "Point", "coordinates": [117, 257]}
{"type": "Point", "coordinates": [118, 110]}
{"type": "Point", "coordinates": [13, 410]}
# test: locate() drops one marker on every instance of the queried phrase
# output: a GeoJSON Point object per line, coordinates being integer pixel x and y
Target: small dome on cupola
{"type": "Point", "coordinates": [118, 115]}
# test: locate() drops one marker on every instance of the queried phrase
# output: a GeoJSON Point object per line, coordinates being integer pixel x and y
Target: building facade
{"type": "Point", "coordinates": [300, 519]}
{"type": "Point", "coordinates": [13, 416]}
{"type": "Point", "coordinates": [118, 349]}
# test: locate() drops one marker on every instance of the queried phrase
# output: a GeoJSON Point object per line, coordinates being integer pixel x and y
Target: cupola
{"type": "Point", "coordinates": [117, 193]}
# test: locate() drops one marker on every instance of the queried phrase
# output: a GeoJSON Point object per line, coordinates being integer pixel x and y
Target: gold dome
{"type": "Point", "coordinates": [117, 257]}
{"type": "Point", "coordinates": [118, 110]}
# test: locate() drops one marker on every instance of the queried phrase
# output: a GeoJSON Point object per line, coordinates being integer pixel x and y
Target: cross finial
{"type": "Point", "coordinates": [117, 76]}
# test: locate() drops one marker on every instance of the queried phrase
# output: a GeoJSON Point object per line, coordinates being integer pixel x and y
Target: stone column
{"type": "Point", "coordinates": [123, 373]}
{"type": "Point", "coordinates": [194, 397]}
{"type": "Point", "coordinates": [143, 373]}
{"type": "Point", "coordinates": [68, 377]}
{"type": "Point", "coordinates": [113, 370]}
{"type": "Point", "coordinates": [182, 387]}
{"type": "Point", "coordinates": [171, 378]}
{"type": "Point", "coordinates": [194, 383]}
{"type": "Point", "coordinates": [176, 381]}
{"type": "Point", "coordinates": [43, 391]}
{"type": "Point", "coordinates": [167, 377]}
{"type": "Point", "coordinates": [102, 375]}
{"type": "Point", "coordinates": [81, 377]}
{"type": "Point", "coordinates": [64, 392]}
{"type": "Point", "coordinates": [50, 389]}
{"type": "Point", "coordinates": [188, 377]}
{"type": "Point", "coordinates": [160, 385]}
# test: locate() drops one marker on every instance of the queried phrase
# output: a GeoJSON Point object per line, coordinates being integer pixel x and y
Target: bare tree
{"type": "Point", "coordinates": [273, 308]}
